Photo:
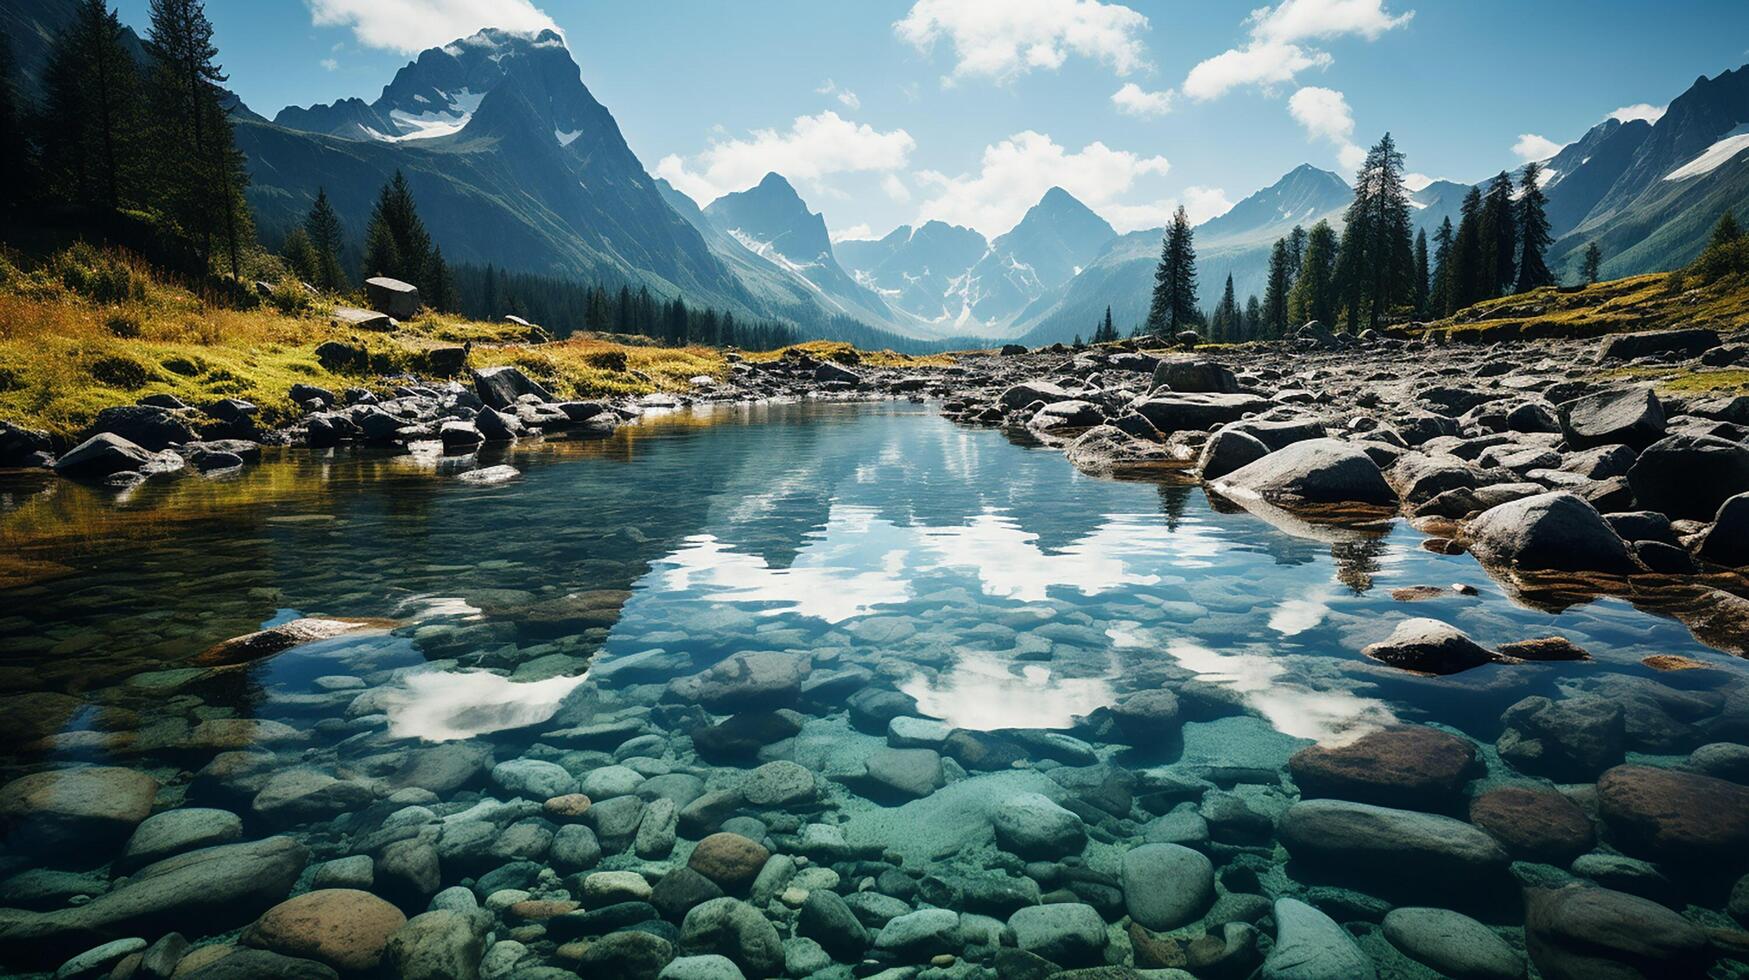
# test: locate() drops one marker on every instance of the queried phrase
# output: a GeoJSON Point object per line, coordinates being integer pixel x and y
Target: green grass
{"type": "Point", "coordinates": [1661, 301]}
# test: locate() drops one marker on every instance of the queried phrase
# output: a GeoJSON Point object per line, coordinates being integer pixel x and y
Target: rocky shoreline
{"type": "Point", "coordinates": [700, 823]}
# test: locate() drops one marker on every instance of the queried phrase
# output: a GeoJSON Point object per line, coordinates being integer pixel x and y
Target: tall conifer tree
{"type": "Point", "coordinates": [1422, 290]}
{"type": "Point", "coordinates": [322, 227]}
{"type": "Point", "coordinates": [91, 145]}
{"type": "Point", "coordinates": [1533, 230]}
{"type": "Point", "coordinates": [1469, 278]}
{"type": "Point", "coordinates": [1498, 235]}
{"type": "Point", "coordinates": [1275, 291]}
{"type": "Point", "coordinates": [1440, 299]}
{"type": "Point", "coordinates": [1173, 307]}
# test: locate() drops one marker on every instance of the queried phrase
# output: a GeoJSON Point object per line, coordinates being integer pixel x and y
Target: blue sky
{"type": "Point", "coordinates": [885, 113]}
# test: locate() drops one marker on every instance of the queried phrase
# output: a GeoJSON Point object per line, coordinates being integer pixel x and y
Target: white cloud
{"type": "Point", "coordinates": [330, 64]}
{"type": "Point", "coordinates": [814, 147]}
{"type": "Point", "coordinates": [1134, 100]}
{"type": "Point", "coordinates": [1203, 203]}
{"type": "Point", "coordinates": [1304, 20]}
{"type": "Point", "coordinates": [1002, 39]}
{"type": "Point", "coordinates": [896, 189]}
{"type": "Point", "coordinates": [1016, 172]}
{"type": "Point", "coordinates": [1530, 146]}
{"type": "Point", "coordinates": [1324, 114]}
{"type": "Point", "coordinates": [1259, 63]}
{"type": "Point", "coordinates": [1200, 204]}
{"type": "Point", "coordinates": [411, 26]}
{"type": "Point", "coordinates": [855, 233]}
{"type": "Point", "coordinates": [1641, 110]}
{"type": "Point", "coordinates": [1273, 55]}
{"type": "Point", "coordinates": [845, 97]}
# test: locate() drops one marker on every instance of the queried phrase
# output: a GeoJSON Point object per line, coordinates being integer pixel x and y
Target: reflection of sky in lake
{"type": "Point", "coordinates": [992, 582]}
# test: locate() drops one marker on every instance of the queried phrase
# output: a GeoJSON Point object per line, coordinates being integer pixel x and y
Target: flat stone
{"type": "Point", "coordinates": [534, 778]}
{"type": "Point", "coordinates": [1064, 933]}
{"type": "Point", "coordinates": [1675, 816]}
{"type": "Point", "coordinates": [1452, 944]}
{"type": "Point", "coordinates": [1031, 825]}
{"type": "Point", "coordinates": [1534, 824]}
{"type": "Point", "coordinates": [910, 773]}
{"type": "Point", "coordinates": [174, 831]}
{"type": "Point", "coordinates": [75, 812]}
{"type": "Point", "coordinates": [1407, 766]}
{"type": "Point", "coordinates": [1583, 933]}
{"type": "Point", "coordinates": [916, 936]}
{"type": "Point", "coordinates": [1309, 945]}
{"type": "Point", "coordinates": [1422, 849]}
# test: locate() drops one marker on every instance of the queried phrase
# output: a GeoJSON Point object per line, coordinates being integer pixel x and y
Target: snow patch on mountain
{"type": "Point", "coordinates": [457, 111]}
{"type": "Point", "coordinates": [1715, 156]}
{"type": "Point", "coordinates": [566, 139]}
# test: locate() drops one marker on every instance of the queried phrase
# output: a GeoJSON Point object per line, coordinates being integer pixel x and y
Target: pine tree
{"type": "Point", "coordinates": [1296, 251]}
{"type": "Point", "coordinates": [1376, 263]}
{"type": "Point", "coordinates": [1440, 301]}
{"type": "Point", "coordinates": [1253, 319]}
{"type": "Point", "coordinates": [1469, 281]}
{"type": "Point", "coordinates": [395, 242]}
{"type": "Point", "coordinates": [322, 228]}
{"type": "Point", "coordinates": [1499, 238]}
{"type": "Point", "coordinates": [1726, 252]}
{"type": "Point", "coordinates": [299, 255]}
{"type": "Point", "coordinates": [201, 173]}
{"type": "Point", "coordinates": [439, 290]}
{"type": "Point", "coordinates": [17, 168]}
{"type": "Point", "coordinates": [1275, 291]}
{"type": "Point", "coordinates": [1173, 308]}
{"type": "Point", "coordinates": [1592, 264]}
{"type": "Point", "coordinates": [92, 113]}
{"type": "Point", "coordinates": [1110, 332]}
{"type": "Point", "coordinates": [1314, 295]}
{"type": "Point", "coordinates": [1421, 273]}
{"type": "Point", "coordinates": [1533, 230]}
{"type": "Point", "coordinates": [1223, 325]}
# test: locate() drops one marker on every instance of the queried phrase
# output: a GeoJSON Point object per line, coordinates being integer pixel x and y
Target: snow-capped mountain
{"type": "Point", "coordinates": [439, 92]}
{"type": "Point", "coordinates": [772, 221]}
{"type": "Point", "coordinates": [949, 279]}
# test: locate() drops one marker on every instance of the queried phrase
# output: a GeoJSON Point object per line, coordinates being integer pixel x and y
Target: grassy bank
{"type": "Point", "coordinates": [85, 330]}
{"type": "Point", "coordinates": [1660, 301]}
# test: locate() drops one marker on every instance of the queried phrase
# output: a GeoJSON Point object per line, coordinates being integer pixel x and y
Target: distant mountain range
{"type": "Point", "coordinates": [514, 162]}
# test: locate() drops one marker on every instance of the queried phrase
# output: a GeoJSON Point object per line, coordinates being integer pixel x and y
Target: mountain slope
{"type": "Point", "coordinates": [920, 272]}
{"type": "Point", "coordinates": [1236, 243]}
{"type": "Point", "coordinates": [773, 222]}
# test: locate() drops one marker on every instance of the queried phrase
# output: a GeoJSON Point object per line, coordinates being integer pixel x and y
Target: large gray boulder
{"type": "Point", "coordinates": [20, 446]}
{"type": "Point", "coordinates": [1228, 450]}
{"type": "Point", "coordinates": [1194, 374]}
{"type": "Point", "coordinates": [732, 928]}
{"type": "Point", "coordinates": [1176, 412]}
{"type": "Point", "coordinates": [1313, 472]}
{"type": "Point", "coordinates": [500, 387]}
{"type": "Point", "coordinates": [1688, 476]}
{"type": "Point", "coordinates": [1166, 885]}
{"type": "Point", "coordinates": [1557, 532]}
{"type": "Point", "coordinates": [1633, 417]}
{"type": "Point", "coordinates": [147, 426]}
{"type": "Point", "coordinates": [1027, 392]}
{"type": "Point", "coordinates": [1687, 343]}
{"type": "Point", "coordinates": [1032, 825]}
{"type": "Point", "coordinates": [102, 455]}
{"type": "Point", "coordinates": [1727, 541]}
{"type": "Point", "coordinates": [1066, 933]}
{"type": "Point", "coordinates": [392, 296]}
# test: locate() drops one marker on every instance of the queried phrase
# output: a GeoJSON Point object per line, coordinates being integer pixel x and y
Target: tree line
{"type": "Point", "coordinates": [131, 135]}
{"type": "Point", "coordinates": [1378, 270]}
{"type": "Point", "coordinates": [123, 140]}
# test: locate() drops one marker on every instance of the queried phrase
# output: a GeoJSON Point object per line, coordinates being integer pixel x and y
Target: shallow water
{"type": "Point", "coordinates": [987, 580]}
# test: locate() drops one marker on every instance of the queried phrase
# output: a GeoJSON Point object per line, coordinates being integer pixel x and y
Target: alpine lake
{"type": "Point", "coordinates": [823, 689]}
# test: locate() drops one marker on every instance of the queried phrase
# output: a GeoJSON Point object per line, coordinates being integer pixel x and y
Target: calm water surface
{"type": "Point", "coordinates": [987, 580]}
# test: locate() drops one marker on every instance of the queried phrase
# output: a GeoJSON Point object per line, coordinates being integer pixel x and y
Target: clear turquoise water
{"type": "Point", "coordinates": [988, 580]}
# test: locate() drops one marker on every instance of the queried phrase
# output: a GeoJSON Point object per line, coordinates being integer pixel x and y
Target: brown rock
{"type": "Point", "coordinates": [1584, 933]}
{"type": "Point", "coordinates": [1543, 648]}
{"type": "Point", "coordinates": [728, 859]}
{"type": "Point", "coordinates": [1155, 952]}
{"type": "Point", "coordinates": [1670, 661]}
{"type": "Point", "coordinates": [570, 807]}
{"type": "Point", "coordinates": [1417, 593]}
{"type": "Point", "coordinates": [342, 927]}
{"type": "Point", "coordinates": [254, 646]}
{"type": "Point", "coordinates": [538, 910]}
{"type": "Point", "coordinates": [1409, 766]}
{"type": "Point", "coordinates": [1534, 824]}
{"type": "Point", "coordinates": [1668, 815]}
{"type": "Point", "coordinates": [84, 807]}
